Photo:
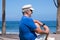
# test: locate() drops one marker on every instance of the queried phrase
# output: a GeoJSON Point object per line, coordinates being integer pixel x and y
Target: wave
{"type": "Point", "coordinates": [10, 32]}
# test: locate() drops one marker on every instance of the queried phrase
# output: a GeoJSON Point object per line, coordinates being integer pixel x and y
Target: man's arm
{"type": "Point", "coordinates": [40, 23]}
{"type": "Point", "coordinates": [39, 31]}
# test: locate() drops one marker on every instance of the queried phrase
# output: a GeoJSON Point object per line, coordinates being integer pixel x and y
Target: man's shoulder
{"type": "Point", "coordinates": [26, 18]}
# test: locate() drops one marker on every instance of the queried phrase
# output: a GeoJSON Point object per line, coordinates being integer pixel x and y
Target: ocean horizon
{"type": "Point", "coordinates": [12, 27]}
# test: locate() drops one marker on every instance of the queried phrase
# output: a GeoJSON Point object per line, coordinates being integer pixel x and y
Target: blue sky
{"type": "Point", "coordinates": [45, 10]}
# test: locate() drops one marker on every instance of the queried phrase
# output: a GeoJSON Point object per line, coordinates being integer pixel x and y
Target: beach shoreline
{"type": "Point", "coordinates": [10, 32]}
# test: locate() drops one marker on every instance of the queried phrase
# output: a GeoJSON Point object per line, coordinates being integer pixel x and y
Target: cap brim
{"type": "Point", "coordinates": [31, 8]}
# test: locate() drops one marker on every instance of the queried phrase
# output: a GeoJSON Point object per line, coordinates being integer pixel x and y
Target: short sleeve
{"type": "Point", "coordinates": [30, 23]}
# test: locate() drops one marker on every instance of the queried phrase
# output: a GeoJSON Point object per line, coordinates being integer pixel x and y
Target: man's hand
{"type": "Point", "coordinates": [46, 29]}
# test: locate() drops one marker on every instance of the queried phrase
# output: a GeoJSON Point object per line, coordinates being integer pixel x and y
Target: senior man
{"type": "Point", "coordinates": [29, 27]}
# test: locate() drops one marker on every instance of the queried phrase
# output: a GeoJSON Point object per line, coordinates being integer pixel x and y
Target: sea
{"type": "Point", "coordinates": [12, 27]}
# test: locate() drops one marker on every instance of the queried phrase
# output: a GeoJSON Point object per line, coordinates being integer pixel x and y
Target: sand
{"type": "Point", "coordinates": [9, 37]}
{"type": "Point", "coordinates": [16, 36]}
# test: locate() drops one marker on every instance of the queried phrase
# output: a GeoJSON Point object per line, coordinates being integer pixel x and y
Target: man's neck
{"type": "Point", "coordinates": [26, 15]}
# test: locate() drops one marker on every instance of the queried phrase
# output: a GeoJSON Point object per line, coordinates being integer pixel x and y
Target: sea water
{"type": "Point", "coordinates": [13, 26]}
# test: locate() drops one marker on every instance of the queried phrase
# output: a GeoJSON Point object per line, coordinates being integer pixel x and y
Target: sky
{"type": "Point", "coordinates": [45, 10]}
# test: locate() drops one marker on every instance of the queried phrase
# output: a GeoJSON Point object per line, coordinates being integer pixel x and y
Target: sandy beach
{"type": "Point", "coordinates": [56, 36]}
{"type": "Point", "coordinates": [9, 37]}
{"type": "Point", "coordinates": [16, 36]}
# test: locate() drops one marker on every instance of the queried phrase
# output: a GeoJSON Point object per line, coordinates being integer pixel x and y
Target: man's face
{"type": "Point", "coordinates": [29, 13]}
